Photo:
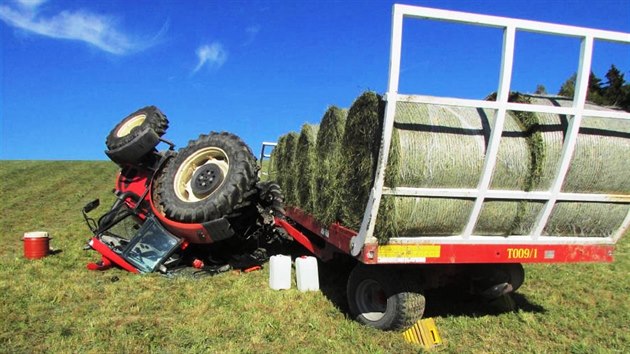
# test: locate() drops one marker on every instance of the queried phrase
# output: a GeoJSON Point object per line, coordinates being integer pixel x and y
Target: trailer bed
{"type": "Point", "coordinates": [324, 242]}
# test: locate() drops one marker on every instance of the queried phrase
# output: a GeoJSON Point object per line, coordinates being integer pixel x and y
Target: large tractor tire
{"type": "Point", "coordinates": [384, 297]}
{"type": "Point", "coordinates": [271, 197]}
{"type": "Point", "coordinates": [208, 179]}
{"type": "Point", "coordinates": [137, 134]}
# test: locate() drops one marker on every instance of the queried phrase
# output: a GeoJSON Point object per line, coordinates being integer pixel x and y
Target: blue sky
{"type": "Point", "coordinates": [71, 70]}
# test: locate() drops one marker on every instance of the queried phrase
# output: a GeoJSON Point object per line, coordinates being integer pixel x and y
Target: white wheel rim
{"type": "Point", "coordinates": [371, 300]}
{"type": "Point", "coordinates": [182, 183]}
{"type": "Point", "coordinates": [127, 126]}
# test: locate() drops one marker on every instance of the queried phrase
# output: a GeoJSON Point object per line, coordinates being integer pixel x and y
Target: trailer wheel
{"type": "Point", "coordinates": [384, 298]}
{"type": "Point", "coordinates": [131, 127]}
{"type": "Point", "coordinates": [207, 179]}
{"type": "Point", "coordinates": [491, 280]}
{"type": "Point", "coordinates": [516, 273]}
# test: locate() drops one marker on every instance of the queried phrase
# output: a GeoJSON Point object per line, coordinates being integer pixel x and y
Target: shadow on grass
{"type": "Point", "coordinates": [333, 275]}
{"type": "Point", "coordinates": [453, 302]}
{"type": "Point", "coordinates": [442, 302]}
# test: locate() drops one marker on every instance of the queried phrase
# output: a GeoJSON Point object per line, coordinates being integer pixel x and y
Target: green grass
{"type": "Point", "coordinates": [57, 305]}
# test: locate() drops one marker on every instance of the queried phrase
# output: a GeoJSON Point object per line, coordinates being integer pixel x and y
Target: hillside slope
{"type": "Point", "coordinates": [56, 305]}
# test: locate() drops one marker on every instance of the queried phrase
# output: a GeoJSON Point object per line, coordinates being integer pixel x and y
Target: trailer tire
{"type": "Point", "coordinates": [384, 297]}
{"type": "Point", "coordinates": [208, 179]}
{"type": "Point", "coordinates": [516, 274]}
{"type": "Point", "coordinates": [127, 131]}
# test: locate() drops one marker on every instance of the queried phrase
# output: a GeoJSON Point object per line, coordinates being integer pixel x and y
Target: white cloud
{"type": "Point", "coordinates": [94, 29]}
{"type": "Point", "coordinates": [30, 4]}
{"type": "Point", "coordinates": [252, 32]}
{"type": "Point", "coordinates": [212, 55]}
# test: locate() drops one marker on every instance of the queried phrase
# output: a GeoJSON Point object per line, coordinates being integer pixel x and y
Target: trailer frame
{"type": "Point", "coordinates": [390, 295]}
{"type": "Point", "coordinates": [467, 247]}
{"type": "Point", "coordinates": [455, 249]}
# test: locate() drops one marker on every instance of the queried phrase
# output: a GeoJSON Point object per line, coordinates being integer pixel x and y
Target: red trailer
{"type": "Point", "coordinates": [385, 289]}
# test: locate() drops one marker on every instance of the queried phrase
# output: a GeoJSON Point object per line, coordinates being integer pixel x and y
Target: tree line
{"type": "Point", "coordinates": [614, 92]}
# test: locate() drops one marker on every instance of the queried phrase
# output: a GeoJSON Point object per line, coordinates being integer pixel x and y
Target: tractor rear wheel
{"type": "Point", "coordinates": [384, 297]}
{"type": "Point", "coordinates": [207, 180]}
{"type": "Point", "coordinates": [126, 135]}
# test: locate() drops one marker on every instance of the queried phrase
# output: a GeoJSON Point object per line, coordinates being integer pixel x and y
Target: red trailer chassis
{"type": "Point", "coordinates": [338, 239]}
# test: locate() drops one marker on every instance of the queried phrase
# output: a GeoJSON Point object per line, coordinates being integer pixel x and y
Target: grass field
{"type": "Point", "coordinates": [57, 305]}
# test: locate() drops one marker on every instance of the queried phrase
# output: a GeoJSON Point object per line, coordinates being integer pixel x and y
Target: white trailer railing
{"type": "Point", "coordinates": [264, 156]}
{"type": "Point", "coordinates": [500, 106]}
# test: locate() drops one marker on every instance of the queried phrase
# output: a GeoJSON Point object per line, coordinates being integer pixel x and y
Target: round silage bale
{"type": "Point", "coordinates": [305, 163]}
{"type": "Point", "coordinates": [327, 180]}
{"type": "Point", "coordinates": [290, 172]}
{"type": "Point", "coordinates": [276, 161]}
{"type": "Point", "coordinates": [433, 139]}
{"type": "Point", "coordinates": [520, 158]}
{"type": "Point", "coordinates": [440, 146]}
{"type": "Point", "coordinates": [360, 148]}
{"type": "Point", "coordinates": [444, 146]}
{"type": "Point", "coordinates": [585, 219]}
{"type": "Point", "coordinates": [600, 164]}
{"type": "Point", "coordinates": [432, 146]}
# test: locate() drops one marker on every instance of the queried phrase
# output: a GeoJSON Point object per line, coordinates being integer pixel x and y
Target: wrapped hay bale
{"type": "Point", "coordinates": [443, 146]}
{"type": "Point", "coordinates": [305, 168]}
{"type": "Point", "coordinates": [519, 165]}
{"type": "Point", "coordinates": [599, 165]}
{"type": "Point", "coordinates": [277, 163]}
{"type": "Point", "coordinates": [360, 148]}
{"type": "Point", "coordinates": [290, 173]}
{"type": "Point", "coordinates": [585, 219]}
{"type": "Point", "coordinates": [439, 146]}
{"type": "Point", "coordinates": [327, 180]}
{"type": "Point", "coordinates": [600, 160]}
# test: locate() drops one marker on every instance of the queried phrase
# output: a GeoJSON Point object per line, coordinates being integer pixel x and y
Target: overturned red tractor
{"type": "Point", "coordinates": [202, 205]}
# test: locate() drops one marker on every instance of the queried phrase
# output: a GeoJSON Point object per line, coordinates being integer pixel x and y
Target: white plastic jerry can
{"type": "Point", "coordinates": [306, 273]}
{"type": "Point", "coordinates": [280, 272]}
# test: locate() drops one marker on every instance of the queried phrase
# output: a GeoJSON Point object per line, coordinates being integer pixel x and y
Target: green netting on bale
{"type": "Point", "coordinates": [600, 161]}
{"type": "Point", "coordinates": [443, 146]}
{"type": "Point", "coordinates": [360, 147]}
{"type": "Point", "coordinates": [520, 158]}
{"type": "Point", "coordinates": [327, 181]}
{"type": "Point", "coordinates": [585, 219]}
{"type": "Point", "coordinates": [277, 163]}
{"type": "Point", "coordinates": [440, 146]}
{"type": "Point", "coordinates": [305, 163]}
{"type": "Point", "coordinates": [600, 164]}
{"type": "Point", "coordinates": [432, 141]}
{"type": "Point", "coordinates": [419, 216]}
{"type": "Point", "coordinates": [503, 218]}
{"type": "Point", "coordinates": [290, 169]}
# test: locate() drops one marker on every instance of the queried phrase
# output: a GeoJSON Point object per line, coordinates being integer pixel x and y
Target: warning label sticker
{"type": "Point", "coordinates": [408, 252]}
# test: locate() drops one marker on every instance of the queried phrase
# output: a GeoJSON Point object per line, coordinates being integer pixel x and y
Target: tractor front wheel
{"type": "Point", "coordinates": [145, 118]}
{"type": "Point", "coordinates": [136, 135]}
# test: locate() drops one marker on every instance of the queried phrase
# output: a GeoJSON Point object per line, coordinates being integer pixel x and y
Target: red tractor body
{"type": "Point", "coordinates": [200, 205]}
